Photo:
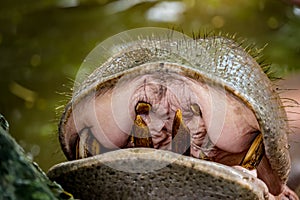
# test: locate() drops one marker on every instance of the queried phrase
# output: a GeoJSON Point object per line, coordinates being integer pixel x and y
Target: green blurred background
{"type": "Point", "coordinates": [42, 45]}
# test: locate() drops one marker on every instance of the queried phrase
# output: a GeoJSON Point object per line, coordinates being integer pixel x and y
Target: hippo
{"type": "Point", "coordinates": [156, 114]}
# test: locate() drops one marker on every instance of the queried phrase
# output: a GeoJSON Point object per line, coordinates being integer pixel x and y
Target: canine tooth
{"type": "Point", "coordinates": [77, 149]}
{"type": "Point", "coordinates": [94, 146]}
{"type": "Point", "coordinates": [86, 144]}
{"type": "Point", "coordinates": [140, 134]}
{"type": "Point", "coordinates": [142, 108]}
{"type": "Point", "coordinates": [180, 135]}
{"type": "Point", "coordinates": [81, 150]}
{"type": "Point", "coordinates": [254, 154]}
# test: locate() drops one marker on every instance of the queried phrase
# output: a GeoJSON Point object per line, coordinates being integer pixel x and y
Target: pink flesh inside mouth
{"type": "Point", "coordinates": [223, 130]}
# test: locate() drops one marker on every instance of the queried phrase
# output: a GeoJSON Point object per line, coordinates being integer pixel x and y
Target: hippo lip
{"type": "Point", "coordinates": [151, 174]}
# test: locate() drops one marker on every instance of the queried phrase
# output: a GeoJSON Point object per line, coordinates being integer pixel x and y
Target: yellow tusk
{"type": "Point", "coordinates": [140, 134]}
{"type": "Point", "coordinates": [181, 135]}
{"type": "Point", "coordinates": [254, 154]}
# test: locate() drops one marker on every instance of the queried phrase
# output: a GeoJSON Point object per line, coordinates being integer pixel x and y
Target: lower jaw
{"type": "Point", "coordinates": [137, 173]}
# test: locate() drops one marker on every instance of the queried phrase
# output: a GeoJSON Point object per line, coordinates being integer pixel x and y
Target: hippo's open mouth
{"type": "Point", "coordinates": [203, 98]}
{"type": "Point", "coordinates": [163, 111]}
{"type": "Point", "coordinates": [172, 112]}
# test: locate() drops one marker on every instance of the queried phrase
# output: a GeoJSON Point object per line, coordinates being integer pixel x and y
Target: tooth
{"type": "Point", "coordinates": [196, 110]}
{"type": "Point", "coordinates": [80, 143]}
{"type": "Point", "coordinates": [207, 146]}
{"type": "Point", "coordinates": [203, 156]}
{"type": "Point", "coordinates": [254, 154]}
{"type": "Point", "coordinates": [140, 134]}
{"type": "Point", "coordinates": [93, 146]}
{"type": "Point", "coordinates": [181, 135]}
{"type": "Point", "coordinates": [86, 144]}
{"type": "Point", "coordinates": [77, 148]}
{"type": "Point", "coordinates": [142, 108]}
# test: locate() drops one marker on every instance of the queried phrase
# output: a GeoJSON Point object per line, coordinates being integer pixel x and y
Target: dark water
{"type": "Point", "coordinates": [42, 45]}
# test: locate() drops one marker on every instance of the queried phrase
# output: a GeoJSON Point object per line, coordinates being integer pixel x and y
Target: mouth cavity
{"type": "Point", "coordinates": [168, 112]}
{"type": "Point", "coordinates": [86, 145]}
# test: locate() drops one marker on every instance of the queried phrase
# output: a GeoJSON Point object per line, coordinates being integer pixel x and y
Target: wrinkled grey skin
{"type": "Point", "coordinates": [215, 60]}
